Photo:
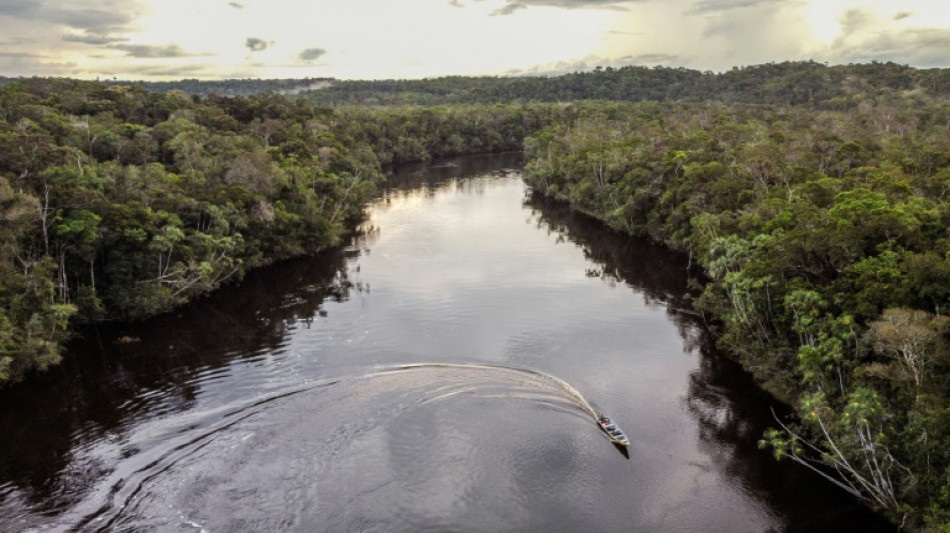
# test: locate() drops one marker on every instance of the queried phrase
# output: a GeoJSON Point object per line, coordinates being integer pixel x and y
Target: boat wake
{"type": "Point", "coordinates": [543, 382]}
{"type": "Point", "coordinates": [534, 378]}
{"type": "Point", "coordinates": [428, 437]}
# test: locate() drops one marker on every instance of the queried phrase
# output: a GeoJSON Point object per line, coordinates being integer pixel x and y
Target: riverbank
{"type": "Point", "coordinates": [276, 391]}
{"type": "Point", "coordinates": [123, 204]}
{"type": "Point", "coordinates": [822, 244]}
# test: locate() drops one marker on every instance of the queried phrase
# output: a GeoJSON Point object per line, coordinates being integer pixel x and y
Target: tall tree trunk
{"type": "Point", "coordinates": [44, 215]}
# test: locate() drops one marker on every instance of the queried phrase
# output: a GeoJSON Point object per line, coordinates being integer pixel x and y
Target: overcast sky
{"type": "Point", "coordinates": [363, 39]}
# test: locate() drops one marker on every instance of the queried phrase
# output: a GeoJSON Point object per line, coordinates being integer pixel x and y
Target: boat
{"type": "Point", "coordinates": [612, 430]}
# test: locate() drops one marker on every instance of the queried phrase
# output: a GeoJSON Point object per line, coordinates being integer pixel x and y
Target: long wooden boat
{"type": "Point", "coordinates": [612, 430]}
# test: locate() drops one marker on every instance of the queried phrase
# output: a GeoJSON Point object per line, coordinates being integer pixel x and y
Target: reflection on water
{"type": "Point", "coordinates": [730, 411]}
{"type": "Point", "coordinates": [269, 405]}
{"type": "Point", "coordinates": [116, 375]}
{"type": "Point", "coordinates": [396, 452]}
{"type": "Point", "coordinates": [657, 275]}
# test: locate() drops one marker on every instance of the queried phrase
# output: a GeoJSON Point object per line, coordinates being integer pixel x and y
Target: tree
{"type": "Point", "coordinates": [911, 337]}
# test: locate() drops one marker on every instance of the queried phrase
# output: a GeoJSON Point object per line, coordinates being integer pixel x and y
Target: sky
{"type": "Point", "coordinates": [405, 39]}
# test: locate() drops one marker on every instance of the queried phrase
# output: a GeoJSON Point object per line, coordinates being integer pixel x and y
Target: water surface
{"type": "Point", "coordinates": [423, 378]}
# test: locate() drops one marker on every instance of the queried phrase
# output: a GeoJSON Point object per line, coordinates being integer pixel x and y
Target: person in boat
{"type": "Point", "coordinates": [612, 429]}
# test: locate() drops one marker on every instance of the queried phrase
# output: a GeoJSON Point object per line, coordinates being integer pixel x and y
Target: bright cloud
{"type": "Point", "coordinates": [168, 39]}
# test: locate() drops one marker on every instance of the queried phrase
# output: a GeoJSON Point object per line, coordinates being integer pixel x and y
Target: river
{"type": "Point", "coordinates": [433, 375]}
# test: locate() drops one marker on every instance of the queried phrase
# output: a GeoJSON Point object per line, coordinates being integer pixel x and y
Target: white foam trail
{"type": "Point", "coordinates": [559, 384]}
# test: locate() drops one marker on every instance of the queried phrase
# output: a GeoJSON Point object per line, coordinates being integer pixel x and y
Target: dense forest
{"type": "Point", "coordinates": [400, 134]}
{"type": "Point", "coordinates": [118, 203]}
{"type": "Point", "coordinates": [794, 83]}
{"type": "Point", "coordinates": [824, 236]}
{"type": "Point", "coordinates": [790, 83]}
{"type": "Point", "coordinates": [230, 87]}
{"type": "Point", "coordinates": [814, 197]}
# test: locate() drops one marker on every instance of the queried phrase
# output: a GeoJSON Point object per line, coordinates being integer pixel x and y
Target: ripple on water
{"type": "Point", "coordinates": [430, 447]}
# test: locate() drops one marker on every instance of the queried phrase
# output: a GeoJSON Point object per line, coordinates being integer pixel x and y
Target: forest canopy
{"type": "Point", "coordinates": [823, 235]}
{"type": "Point", "coordinates": [814, 197]}
{"type": "Point", "coordinates": [788, 83]}
{"type": "Point", "coordinates": [118, 203]}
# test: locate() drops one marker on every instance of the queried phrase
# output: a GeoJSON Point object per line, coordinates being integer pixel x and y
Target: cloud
{"type": "Point", "coordinates": [22, 55]}
{"type": "Point", "coordinates": [591, 62]}
{"type": "Point", "coordinates": [91, 38]}
{"type": "Point", "coordinates": [922, 47]}
{"type": "Point", "coordinates": [727, 33]}
{"type": "Point", "coordinates": [854, 20]}
{"type": "Point", "coordinates": [516, 5]}
{"type": "Point", "coordinates": [152, 51]}
{"type": "Point", "coordinates": [29, 64]}
{"type": "Point", "coordinates": [256, 45]}
{"type": "Point", "coordinates": [126, 72]}
{"type": "Point", "coordinates": [310, 54]}
{"type": "Point", "coordinates": [649, 59]}
{"type": "Point", "coordinates": [107, 16]}
{"type": "Point", "coordinates": [22, 9]}
{"type": "Point", "coordinates": [509, 9]}
{"type": "Point", "coordinates": [702, 7]}
{"type": "Point", "coordinates": [764, 25]}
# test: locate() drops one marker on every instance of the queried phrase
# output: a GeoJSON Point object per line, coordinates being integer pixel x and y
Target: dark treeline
{"type": "Point", "coordinates": [824, 236]}
{"type": "Point", "coordinates": [118, 203]}
{"type": "Point", "coordinates": [795, 83]}
{"type": "Point", "coordinates": [628, 83]}
{"type": "Point", "coordinates": [402, 134]}
{"type": "Point", "coordinates": [231, 87]}
{"type": "Point", "coordinates": [789, 83]}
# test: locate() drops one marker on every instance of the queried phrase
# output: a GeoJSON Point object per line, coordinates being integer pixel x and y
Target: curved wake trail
{"type": "Point", "coordinates": [328, 425]}
{"type": "Point", "coordinates": [558, 383]}
{"type": "Point", "coordinates": [128, 481]}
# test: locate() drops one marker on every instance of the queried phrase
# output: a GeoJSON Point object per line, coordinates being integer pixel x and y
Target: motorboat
{"type": "Point", "coordinates": [612, 430]}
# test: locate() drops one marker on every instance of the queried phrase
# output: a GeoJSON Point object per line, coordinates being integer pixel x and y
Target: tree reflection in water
{"type": "Point", "coordinates": [98, 391]}
{"type": "Point", "coordinates": [731, 412]}
{"type": "Point", "coordinates": [65, 431]}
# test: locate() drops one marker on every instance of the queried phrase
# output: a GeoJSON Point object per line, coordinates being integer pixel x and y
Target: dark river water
{"type": "Point", "coordinates": [437, 374]}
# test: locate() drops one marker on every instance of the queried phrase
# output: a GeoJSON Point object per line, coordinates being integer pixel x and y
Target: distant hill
{"type": "Point", "coordinates": [786, 83]}
{"type": "Point", "coordinates": [789, 83]}
{"type": "Point", "coordinates": [236, 87]}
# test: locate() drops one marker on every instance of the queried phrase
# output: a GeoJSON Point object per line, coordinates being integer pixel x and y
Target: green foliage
{"type": "Point", "coordinates": [815, 197]}
{"type": "Point", "coordinates": [826, 257]}
{"type": "Point", "coordinates": [403, 134]}
{"type": "Point", "coordinates": [117, 203]}
{"type": "Point", "coordinates": [787, 83]}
